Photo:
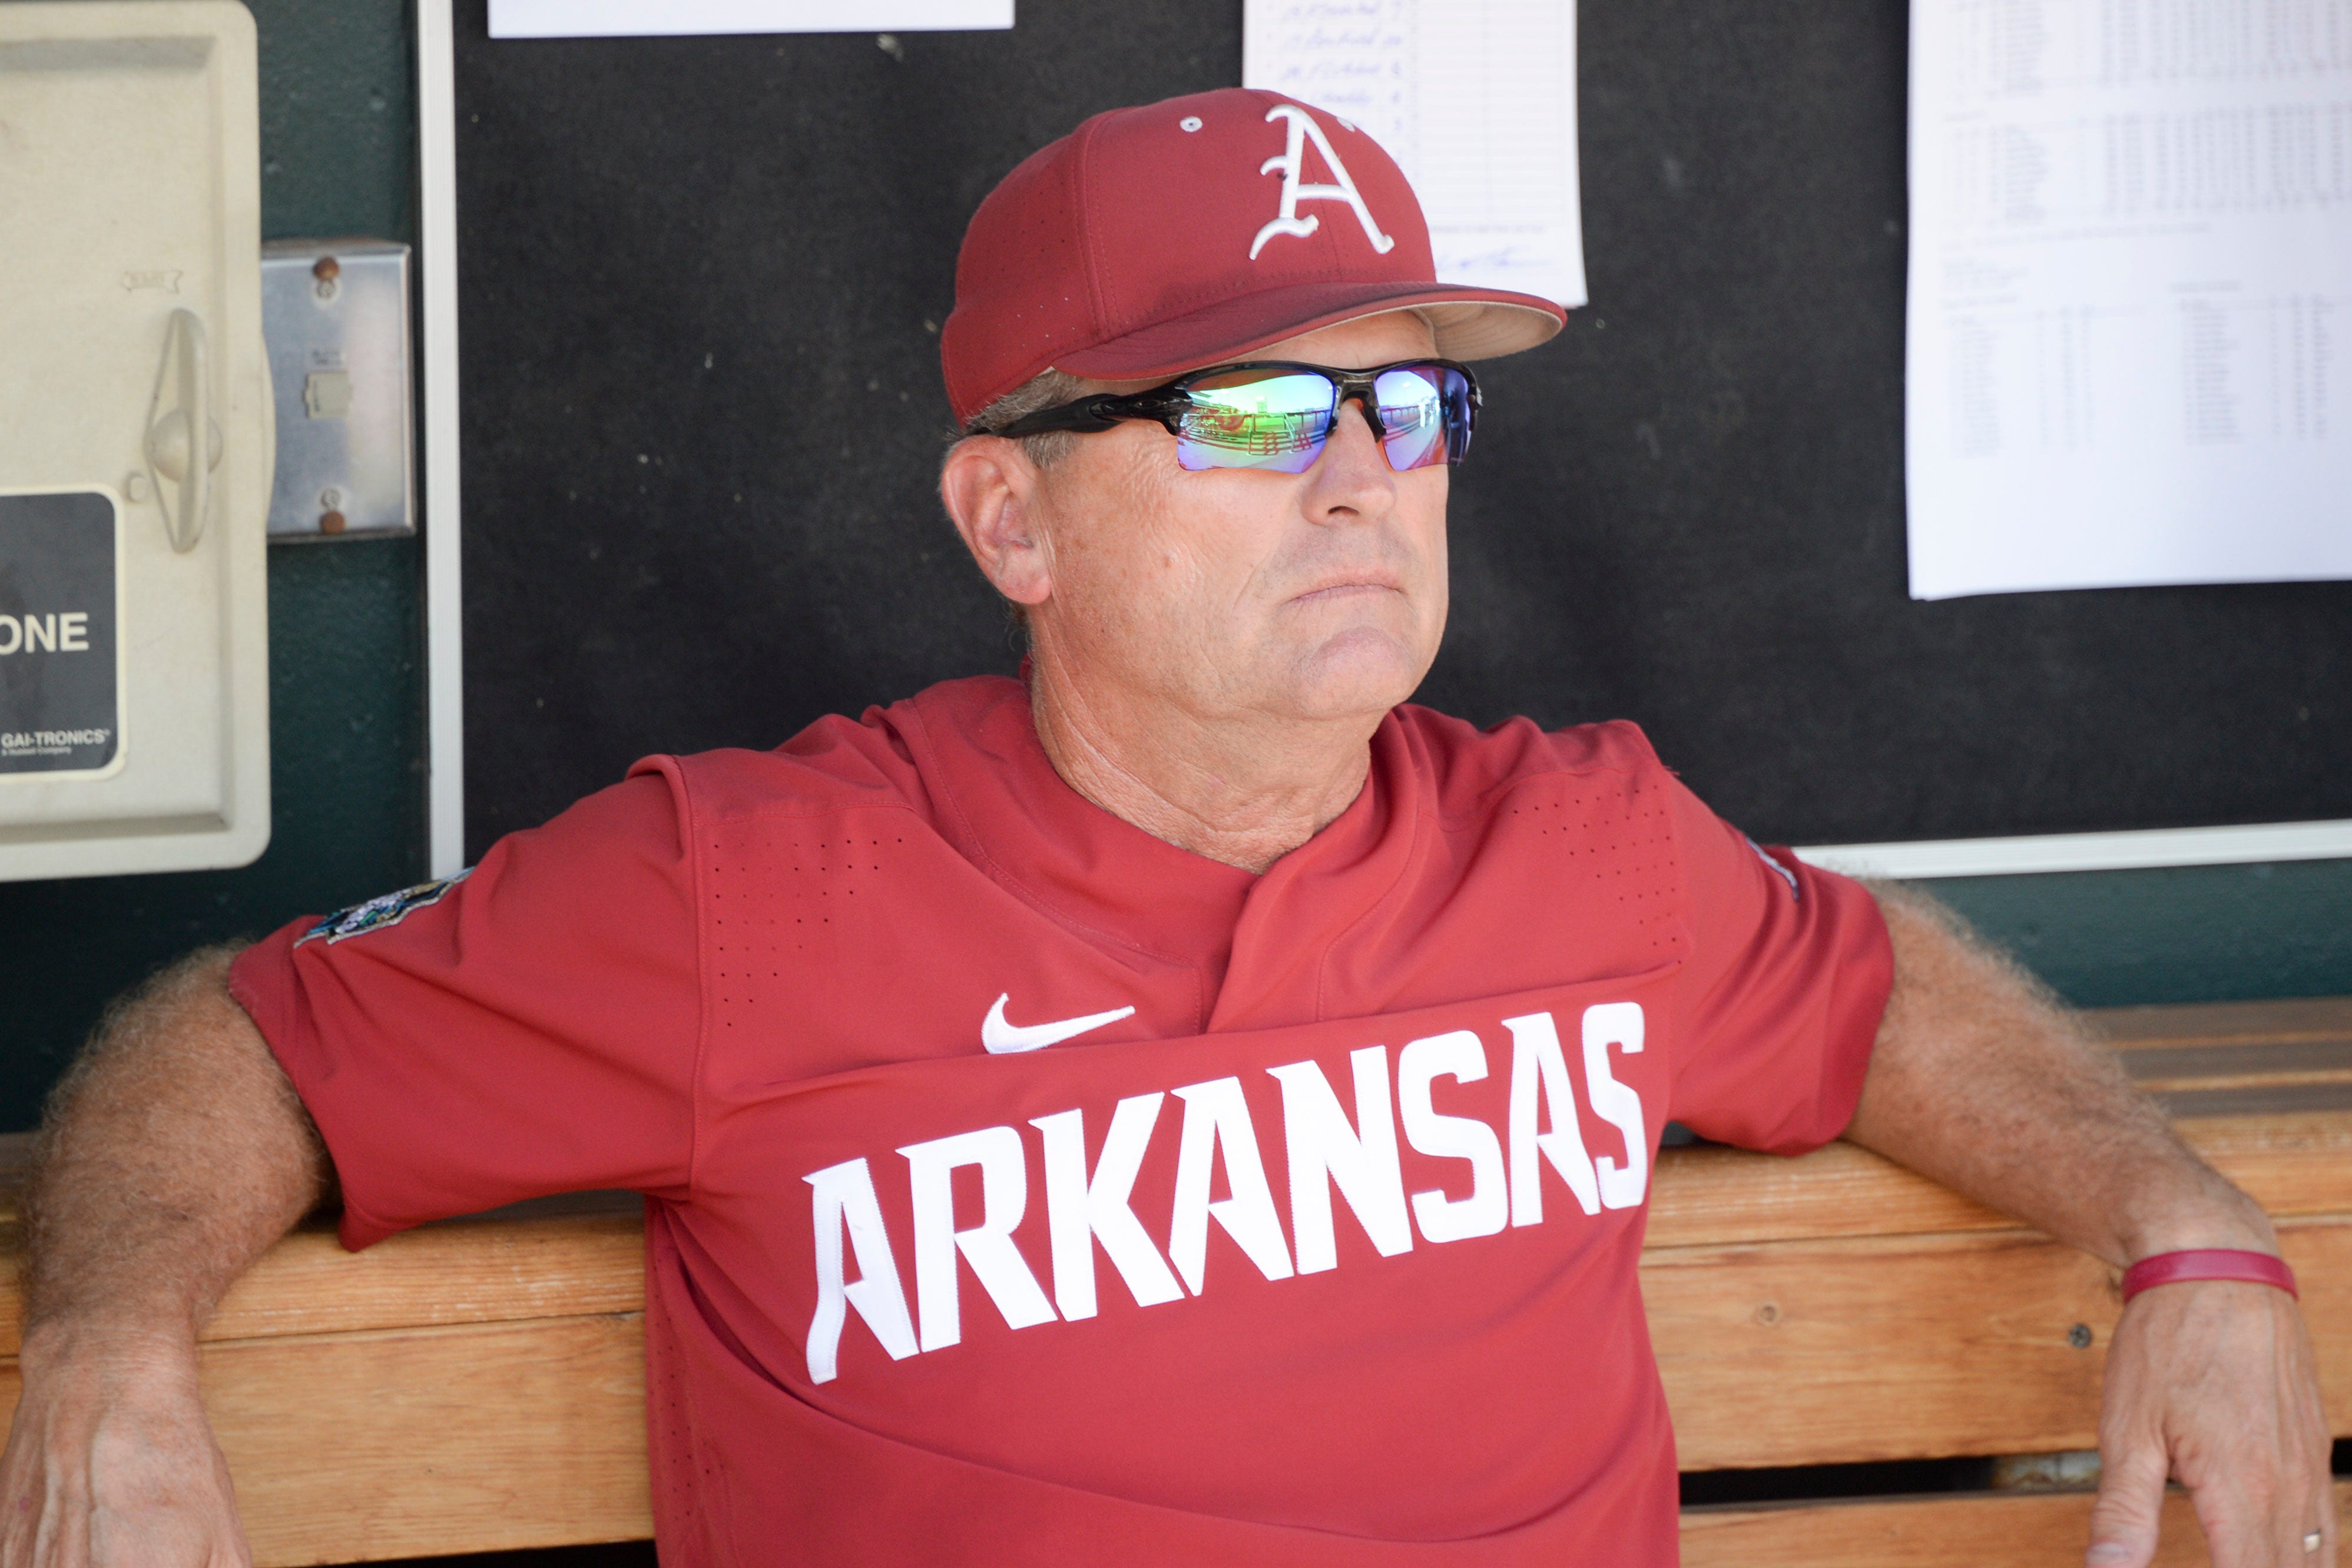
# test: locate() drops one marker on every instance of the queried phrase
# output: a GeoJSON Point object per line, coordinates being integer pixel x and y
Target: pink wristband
{"type": "Point", "coordinates": [2209, 1263]}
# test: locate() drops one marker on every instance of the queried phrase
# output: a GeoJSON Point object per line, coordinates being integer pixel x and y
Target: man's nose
{"type": "Point", "coordinates": [1352, 477]}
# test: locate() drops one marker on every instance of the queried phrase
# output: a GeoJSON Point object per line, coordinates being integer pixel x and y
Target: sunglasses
{"type": "Point", "coordinates": [1277, 414]}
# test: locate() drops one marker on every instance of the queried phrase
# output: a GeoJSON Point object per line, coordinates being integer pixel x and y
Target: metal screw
{"type": "Point", "coordinates": [1767, 1314]}
{"type": "Point", "coordinates": [330, 499]}
{"type": "Point", "coordinates": [327, 288]}
{"type": "Point", "coordinates": [2079, 1336]}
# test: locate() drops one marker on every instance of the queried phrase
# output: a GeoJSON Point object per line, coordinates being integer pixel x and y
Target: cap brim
{"type": "Point", "coordinates": [1470, 324]}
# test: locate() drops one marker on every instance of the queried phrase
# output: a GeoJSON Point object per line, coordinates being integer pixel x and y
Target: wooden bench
{"type": "Point", "coordinates": [477, 1386]}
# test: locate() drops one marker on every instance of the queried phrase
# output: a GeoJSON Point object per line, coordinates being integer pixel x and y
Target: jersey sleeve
{"type": "Point", "coordinates": [1787, 979]}
{"type": "Point", "coordinates": [529, 1028]}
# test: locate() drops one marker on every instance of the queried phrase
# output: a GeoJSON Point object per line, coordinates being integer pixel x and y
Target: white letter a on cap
{"type": "Point", "coordinates": [1303, 127]}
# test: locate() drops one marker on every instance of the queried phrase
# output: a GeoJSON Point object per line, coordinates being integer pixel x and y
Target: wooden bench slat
{"type": "Point", "coordinates": [1875, 1348]}
{"type": "Point", "coordinates": [2256, 1099]}
{"type": "Point", "coordinates": [1840, 1351]}
{"type": "Point", "coordinates": [561, 1266]}
{"type": "Point", "coordinates": [2291, 1163]}
{"type": "Point", "coordinates": [2299, 1163]}
{"type": "Point", "coordinates": [357, 1446]}
{"type": "Point", "coordinates": [2251, 1062]}
{"type": "Point", "coordinates": [1969, 1530]}
{"type": "Point", "coordinates": [2223, 1023]}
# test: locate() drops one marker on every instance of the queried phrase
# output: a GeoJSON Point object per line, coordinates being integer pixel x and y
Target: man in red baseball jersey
{"type": "Point", "coordinates": [1188, 1105]}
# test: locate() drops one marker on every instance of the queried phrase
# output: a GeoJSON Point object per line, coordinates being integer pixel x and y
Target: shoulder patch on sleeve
{"type": "Point", "coordinates": [1796, 889]}
{"type": "Point", "coordinates": [385, 909]}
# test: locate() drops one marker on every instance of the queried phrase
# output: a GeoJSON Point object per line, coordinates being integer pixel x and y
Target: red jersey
{"type": "Point", "coordinates": [1022, 1188]}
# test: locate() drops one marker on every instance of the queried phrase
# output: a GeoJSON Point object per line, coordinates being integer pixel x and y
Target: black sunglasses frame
{"type": "Point", "coordinates": [1167, 405]}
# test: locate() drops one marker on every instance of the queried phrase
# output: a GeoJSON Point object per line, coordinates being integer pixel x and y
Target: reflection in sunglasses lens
{"type": "Point", "coordinates": [1412, 413]}
{"type": "Point", "coordinates": [1256, 419]}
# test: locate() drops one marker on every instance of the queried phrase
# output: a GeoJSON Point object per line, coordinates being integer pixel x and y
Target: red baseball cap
{"type": "Point", "coordinates": [1149, 241]}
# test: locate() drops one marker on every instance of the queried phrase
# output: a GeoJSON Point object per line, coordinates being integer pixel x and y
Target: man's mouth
{"type": "Point", "coordinates": [1347, 587]}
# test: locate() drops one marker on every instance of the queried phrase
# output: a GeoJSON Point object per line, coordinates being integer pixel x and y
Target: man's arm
{"type": "Point", "coordinates": [174, 1153]}
{"type": "Point", "coordinates": [1981, 1081]}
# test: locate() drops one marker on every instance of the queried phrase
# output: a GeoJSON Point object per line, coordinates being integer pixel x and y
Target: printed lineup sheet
{"type": "Point", "coordinates": [2130, 293]}
{"type": "Point", "coordinates": [648, 18]}
{"type": "Point", "coordinates": [1476, 102]}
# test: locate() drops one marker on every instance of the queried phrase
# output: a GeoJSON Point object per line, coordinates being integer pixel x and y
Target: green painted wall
{"type": "Point", "coordinates": [2189, 934]}
{"type": "Point", "coordinates": [338, 158]}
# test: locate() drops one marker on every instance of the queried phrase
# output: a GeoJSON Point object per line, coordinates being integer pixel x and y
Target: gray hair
{"type": "Point", "coordinates": [1046, 390]}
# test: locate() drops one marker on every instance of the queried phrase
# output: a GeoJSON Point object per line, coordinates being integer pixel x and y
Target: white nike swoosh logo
{"type": "Point", "coordinates": [1002, 1038]}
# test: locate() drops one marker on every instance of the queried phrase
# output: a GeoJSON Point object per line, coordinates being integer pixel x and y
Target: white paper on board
{"type": "Point", "coordinates": [650, 19]}
{"type": "Point", "coordinates": [1476, 99]}
{"type": "Point", "coordinates": [2130, 293]}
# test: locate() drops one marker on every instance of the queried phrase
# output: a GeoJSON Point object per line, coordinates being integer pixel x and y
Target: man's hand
{"type": "Point", "coordinates": [2212, 1382]}
{"type": "Point", "coordinates": [111, 1461]}
{"type": "Point", "coordinates": [1980, 1080]}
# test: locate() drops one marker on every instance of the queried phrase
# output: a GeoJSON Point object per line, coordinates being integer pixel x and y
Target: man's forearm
{"type": "Point", "coordinates": [1983, 1082]}
{"type": "Point", "coordinates": [173, 1154]}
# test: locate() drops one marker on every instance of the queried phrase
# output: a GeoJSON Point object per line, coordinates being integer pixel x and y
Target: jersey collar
{"type": "Point", "coordinates": [1008, 811]}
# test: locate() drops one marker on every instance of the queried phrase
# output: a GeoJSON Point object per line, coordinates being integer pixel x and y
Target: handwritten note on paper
{"type": "Point", "coordinates": [2131, 283]}
{"type": "Point", "coordinates": [1475, 98]}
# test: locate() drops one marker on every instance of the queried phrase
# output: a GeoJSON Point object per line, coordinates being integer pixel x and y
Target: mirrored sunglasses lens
{"type": "Point", "coordinates": [1256, 419]}
{"type": "Point", "coordinates": [1421, 406]}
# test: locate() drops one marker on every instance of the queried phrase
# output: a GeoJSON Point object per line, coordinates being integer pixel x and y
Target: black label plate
{"type": "Point", "coordinates": [60, 653]}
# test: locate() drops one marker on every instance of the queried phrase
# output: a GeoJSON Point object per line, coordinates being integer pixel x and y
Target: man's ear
{"type": "Point", "coordinates": [992, 490]}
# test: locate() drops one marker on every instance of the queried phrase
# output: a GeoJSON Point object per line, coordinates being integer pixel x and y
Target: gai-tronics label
{"type": "Point", "coordinates": [59, 709]}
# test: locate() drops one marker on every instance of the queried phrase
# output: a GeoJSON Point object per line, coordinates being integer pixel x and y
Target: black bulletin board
{"type": "Point", "coordinates": [700, 286]}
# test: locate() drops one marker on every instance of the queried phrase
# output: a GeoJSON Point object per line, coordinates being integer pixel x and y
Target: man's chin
{"type": "Point", "coordinates": [1364, 670]}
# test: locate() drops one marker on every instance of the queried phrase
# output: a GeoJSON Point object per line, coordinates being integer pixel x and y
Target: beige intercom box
{"type": "Point", "coordinates": [135, 440]}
